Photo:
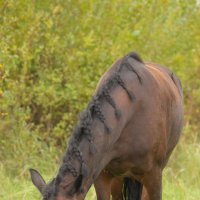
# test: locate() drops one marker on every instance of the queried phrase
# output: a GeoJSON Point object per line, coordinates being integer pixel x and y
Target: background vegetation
{"type": "Point", "coordinates": [52, 54]}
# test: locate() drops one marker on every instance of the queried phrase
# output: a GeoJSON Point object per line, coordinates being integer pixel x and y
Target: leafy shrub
{"type": "Point", "coordinates": [52, 54]}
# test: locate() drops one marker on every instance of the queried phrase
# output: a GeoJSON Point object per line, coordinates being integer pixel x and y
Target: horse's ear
{"type": "Point", "coordinates": [37, 180]}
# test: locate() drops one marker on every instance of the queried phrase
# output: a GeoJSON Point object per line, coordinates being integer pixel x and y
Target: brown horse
{"type": "Point", "coordinates": [124, 137]}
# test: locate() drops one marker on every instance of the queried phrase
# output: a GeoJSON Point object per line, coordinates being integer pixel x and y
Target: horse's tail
{"type": "Point", "coordinates": [132, 189]}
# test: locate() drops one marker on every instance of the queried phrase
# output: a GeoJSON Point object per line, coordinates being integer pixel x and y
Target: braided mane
{"type": "Point", "coordinates": [94, 110]}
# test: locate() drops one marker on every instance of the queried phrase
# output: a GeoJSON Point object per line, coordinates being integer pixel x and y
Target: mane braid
{"type": "Point", "coordinates": [135, 56]}
{"type": "Point", "coordinates": [105, 93]}
{"type": "Point", "coordinates": [130, 67]}
{"type": "Point", "coordinates": [110, 100]}
{"type": "Point", "coordinates": [127, 64]}
{"type": "Point", "coordinates": [97, 110]}
{"type": "Point", "coordinates": [123, 85]}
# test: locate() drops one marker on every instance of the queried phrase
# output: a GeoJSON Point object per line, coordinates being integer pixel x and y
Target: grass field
{"type": "Point", "coordinates": [181, 179]}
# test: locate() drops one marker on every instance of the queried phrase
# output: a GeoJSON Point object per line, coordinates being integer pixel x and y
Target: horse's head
{"type": "Point", "coordinates": [67, 189]}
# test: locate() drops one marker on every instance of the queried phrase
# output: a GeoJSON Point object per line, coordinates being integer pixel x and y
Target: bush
{"type": "Point", "coordinates": [52, 54]}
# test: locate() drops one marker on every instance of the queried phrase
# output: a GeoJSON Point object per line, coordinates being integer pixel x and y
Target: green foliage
{"type": "Point", "coordinates": [52, 53]}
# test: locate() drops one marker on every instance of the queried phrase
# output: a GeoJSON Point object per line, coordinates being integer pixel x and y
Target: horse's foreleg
{"type": "Point", "coordinates": [103, 186]}
{"type": "Point", "coordinates": [153, 185]}
{"type": "Point", "coordinates": [116, 188]}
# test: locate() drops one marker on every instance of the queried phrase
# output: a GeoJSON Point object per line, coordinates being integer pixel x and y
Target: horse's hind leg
{"type": "Point", "coordinates": [153, 185]}
{"type": "Point", "coordinates": [103, 186]}
{"type": "Point", "coordinates": [116, 188]}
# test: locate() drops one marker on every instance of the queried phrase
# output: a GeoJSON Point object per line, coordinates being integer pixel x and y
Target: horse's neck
{"type": "Point", "coordinates": [94, 162]}
{"type": "Point", "coordinates": [97, 160]}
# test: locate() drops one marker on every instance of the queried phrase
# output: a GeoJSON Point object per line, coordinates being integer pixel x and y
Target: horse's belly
{"type": "Point", "coordinates": [130, 166]}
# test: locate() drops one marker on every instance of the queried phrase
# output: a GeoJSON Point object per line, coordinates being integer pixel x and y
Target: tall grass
{"type": "Point", "coordinates": [181, 178]}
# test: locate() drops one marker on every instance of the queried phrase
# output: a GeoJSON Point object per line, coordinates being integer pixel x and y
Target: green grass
{"type": "Point", "coordinates": [182, 176]}
{"type": "Point", "coordinates": [181, 179]}
{"type": "Point", "coordinates": [22, 188]}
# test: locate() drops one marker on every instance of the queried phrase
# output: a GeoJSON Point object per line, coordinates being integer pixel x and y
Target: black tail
{"type": "Point", "coordinates": [132, 189]}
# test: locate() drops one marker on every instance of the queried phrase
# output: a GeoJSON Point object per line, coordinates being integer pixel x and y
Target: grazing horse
{"type": "Point", "coordinates": [124, 137]}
